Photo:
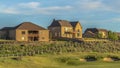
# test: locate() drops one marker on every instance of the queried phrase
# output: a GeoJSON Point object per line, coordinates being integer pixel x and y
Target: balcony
{"type": "Point", "coordinates": [33, 33]}
{"type": "Point", "coordinates": [68, 32]}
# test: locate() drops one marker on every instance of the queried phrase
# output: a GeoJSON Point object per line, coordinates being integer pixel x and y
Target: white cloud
{"type": "Point", "coordinates": [8, 10]}
{"type": "Point", "coordinates": [57, 8]}
{"type": "Point", "coordinates": [75, 7]}
{"type": "Point", "coordinates": [116, 19]}
{"type": "Point", "coordinates": [30, 5]}
{"type": "Point", "coordinates": [98, 5]}
{"type": "Point", "coordinates": [92, 5]}
{"type": "Point", "coordinates": [33, 8]}
{"type": "Point", "coordinates": [111, 20]}
{"type": "Point", "coordinates": [52, 9]}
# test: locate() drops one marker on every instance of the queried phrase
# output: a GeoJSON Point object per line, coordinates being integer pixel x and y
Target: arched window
{"type": "Point", "coordinates": [78, 33]}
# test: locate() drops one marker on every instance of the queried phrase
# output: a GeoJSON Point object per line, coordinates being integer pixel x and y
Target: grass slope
{"type": "Point", "coordinates": [52, 61]}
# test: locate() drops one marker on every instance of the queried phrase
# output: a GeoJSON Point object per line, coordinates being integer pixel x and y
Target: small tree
{"type": "Point", "coordinates": [99, 35]}
{"type": "Point", "coordinates": [115, 36]}
{"type": "Point", "coordinates": [112, 36]}
{"type": "Point", "coordinates": [119, 37]}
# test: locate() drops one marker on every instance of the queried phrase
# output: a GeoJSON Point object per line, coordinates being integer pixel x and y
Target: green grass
{"type": "Point", "coordinates": [59, 55]}
{"type": "Point", "coordinates": [71, 60]}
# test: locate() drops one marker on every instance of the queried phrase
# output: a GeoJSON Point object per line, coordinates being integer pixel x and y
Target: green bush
{"type": "Point", "coordinates": [17, 58]}
{"type": "Point", "coordinates": [73, 62]}
{"type": "Point", "coordinates": [113, 57]}
{"type": "Point", "coordinates": [63, 59]}
{"type": "Point", "coordinates": [69, 60]}
{"type": "Point", "coordinates": [90, 58]}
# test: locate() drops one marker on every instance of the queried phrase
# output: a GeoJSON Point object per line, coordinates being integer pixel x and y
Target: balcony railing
{"type": "Point", "coordinates": [36, 35]}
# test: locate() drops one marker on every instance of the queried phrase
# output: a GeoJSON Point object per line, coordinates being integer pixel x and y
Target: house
{"type": "Point", "coordinates": [25, 31]}
{"type": "Point", "coordinates": [95, 32]}
{"type": "Point", "coordinates": [65, 29]}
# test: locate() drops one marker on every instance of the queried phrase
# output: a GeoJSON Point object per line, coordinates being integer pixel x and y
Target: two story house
{"type": "Point", "coordinates": [65, 29]}
{"type": "Point", "coordinates": [26, 31]}
{"type": "Point", "coordinates": [95, 32]}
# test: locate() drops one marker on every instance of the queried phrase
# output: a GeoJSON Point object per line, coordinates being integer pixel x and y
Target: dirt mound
{"type": "Point", "coordinates": [108, 59]}
{"type": "Point", "coordinates": [83, 60]}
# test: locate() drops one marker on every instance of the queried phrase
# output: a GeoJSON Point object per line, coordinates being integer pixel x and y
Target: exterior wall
{"type": "Point", "coordinates": [89, 34]}
{"type": "Point", "coordinates": [20, 36]}
{"type": "Point", "coordinates": [55, 32]}
{"type": "Point", "coordinates": [97, 34]}
{"type": "Point", "coordinates": [67, 32]}
{"type": "Point", "coordinates": [78, 31]}
{"type": "Point", "coordinates": [104, 34]}
{"type": "Point", "coordinates": [0, 34]}
{"type": "Point", "coordinates": [3, 34]}
{"type": "Point", "coordinates": [12, 34]}
{"type": "Point", "coordinates": [43, 35]}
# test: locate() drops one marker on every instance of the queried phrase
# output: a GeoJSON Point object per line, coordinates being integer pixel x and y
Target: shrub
{"type": "Point", "coordinates": [73, 62]}
{"type": "Point", "coordinates": [17, 58]}
{"type": "Point", "coordinates": [69, 60]}
{"type": "Point", "coordinates": [63, 59]}
{"type": "Point", "coordinates": [114, 58]}
{"type": "Point", "coordinates": [90, 58]}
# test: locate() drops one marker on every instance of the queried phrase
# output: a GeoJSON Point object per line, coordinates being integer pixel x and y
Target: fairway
{"type": "Point", "coordinates": [52, 61]}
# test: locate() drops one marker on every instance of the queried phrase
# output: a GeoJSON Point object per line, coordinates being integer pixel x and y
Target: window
{"type": "Point", "coordinates": [55, 33]}
{"type": "Point", "coordinates": [43, 37]}
{"type": "Point", "coordinates": [66, 29]}
{"type": "Point", "coordinates": [23, 32]}
{"type": "Point", "coordinates": [78, 33]}
{"type": "Point", "coordinates": [23, 38]}
{"type": "Point", "coordinates": [33, 32]}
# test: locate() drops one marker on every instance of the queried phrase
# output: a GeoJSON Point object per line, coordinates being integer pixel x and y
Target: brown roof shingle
{"type": "Point", "coordinates": [25, 26]}
{"type": "Point", "coordinates": [65, 23]}
{"type": "Point", "coordinates": [59, 23]}
{"type": "Point", "coordinates": [94, 30]}
{"type": "Point", "coordinates": [29, 26]}
{"type": "Point", "coordinates": [7, 28]}
{"type": "Point", "coordinates": [75, 23]}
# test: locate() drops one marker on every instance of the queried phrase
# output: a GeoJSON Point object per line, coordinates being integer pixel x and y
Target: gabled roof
{"type": "Point", "coordinates": [55, 24]}
{"type": "Point", "coordinates": [29, 26]}
{"type": "Point", "coordinates": [94, 30]}
{"type": "Point", "coordinates": [75, 23]}
{"type": "Point", "coordinates": [89, 34]}
{"type": "Point", "coordinates": [102, 30]}
{"type": "Point", "coordinates": [65, 23]}
{"type": "Point", "coordinates": [7, 28]}
{"type": "Point", "coordinates": [59, 23]}
{"type": "Point", "coordinates": [25, 26]}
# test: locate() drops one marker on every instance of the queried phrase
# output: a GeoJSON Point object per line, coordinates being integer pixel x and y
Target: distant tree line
{"type": "Point", "coordinates": [113, 36]}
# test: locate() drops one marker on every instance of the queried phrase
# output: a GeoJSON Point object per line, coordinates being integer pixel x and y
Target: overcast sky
{"type": "Point", "coordinates": [91, 13]}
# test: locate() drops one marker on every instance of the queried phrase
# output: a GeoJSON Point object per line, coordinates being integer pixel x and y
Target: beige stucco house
{"type": "Point", "coordinates": [65, 29]}
{"type": "Point", "coordinates": [94, 32]}
{"type": "Point", "coordinates": [25, 31]}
